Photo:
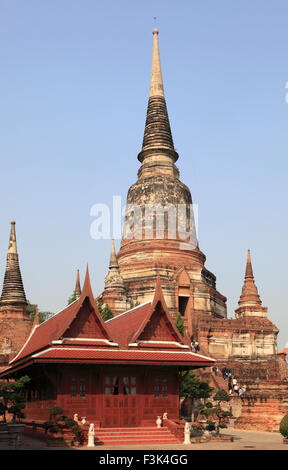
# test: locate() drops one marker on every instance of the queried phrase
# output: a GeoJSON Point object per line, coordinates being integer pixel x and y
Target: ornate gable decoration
{"type": "Point", "coordinates": [87, 323]}
{"type": "Point", "coordinates": [81, 319]}
{"type": "Point", "coordinates": [158, 326]}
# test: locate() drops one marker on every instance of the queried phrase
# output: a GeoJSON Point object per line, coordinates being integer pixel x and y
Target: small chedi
{"type": "Point", "coordinates": [15, 322]}
{"type": "Point", "coordinates": [246, 345]}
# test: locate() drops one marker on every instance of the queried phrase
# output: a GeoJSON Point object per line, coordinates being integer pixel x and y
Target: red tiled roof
{"type": "Point", "coordinates": [52, 329]}
{"type": "Point", "coordinates": [118, 355]}
{"type": "Point", "coordinates": [285, 351]}
{"type": "Point", "coordinates": [127, 327]}
{"type": "Point", "coordinates": [123, 327]}
{"type": "Point", "coordinates": [158, 299]}
{"type": "Point", "coordinates": [47, 342]}
{"type": "Point", "coordinates": [42, 335]}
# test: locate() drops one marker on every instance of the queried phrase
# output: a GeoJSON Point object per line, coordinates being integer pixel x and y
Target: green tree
{"type": "Point", "coordinates": [31, 308]}
{"type": "Point", "coordinates": [179, 322]}
{"type": "Point", "coordinates": [58, 423]}
{"type": "Point", "coordinates": [283, 428]}
{"type": "Point", "coordinates": [222, 416]}
{"type": "Point", "coordinates": [217, 418]}
{"type": "Point", "coordinates": [72, 298]}
{"type": "Point", "coordinates": [192, 387]}
{"type": "Point", "coordinates": [41, 315]}
{"type": "Point", "coordinates": [106, 312]}
{"type": "Point", "coordinates": [12, 398]}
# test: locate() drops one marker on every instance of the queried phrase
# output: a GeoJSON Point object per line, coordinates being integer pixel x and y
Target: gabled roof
{"type": "Point", "coordinates": [124, 326]}
{"type": "Point", "coordinates": [129, 328]}
{"type": "Point", "coordinates": [78, 334]}
{"type": "Point", "coordinates": [54, 328]}
{"type": "Point", "coordinates": [158, 301]}
{"type": "Point", "coordinates": [122, 356]}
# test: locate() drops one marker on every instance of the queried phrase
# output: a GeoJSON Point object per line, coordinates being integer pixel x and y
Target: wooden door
{"type": "Point", "coordinates": [120, 400]}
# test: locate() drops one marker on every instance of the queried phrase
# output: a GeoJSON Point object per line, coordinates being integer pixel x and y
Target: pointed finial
{"type": "Point", "coordinates": [158, 281]}
{"type": "Point", "coordinates": [155, 30]}
{"type": "Point", "coordinates": [87, 275]}
{"type": "Point", "coordinates": [113, 258]}
{"type": "Point", "coordinates": [87, 284]}
{"type": "Point", "coordinates": [77, 287]}
{"type": "Point", "coordinates": [157, 133]}
{"type": "Point", "coordinates": [156, 83]}
{"type": "Point", "coordinates": [12, 241]}
{"type": "Point", "coordinates": [113, 278]}
{"type": "Point", "coordinates": [249, 270]}
{"type": "Point", "coordinates": [249, 294]}
{"type": "Point", "coordinates": [158, 289]}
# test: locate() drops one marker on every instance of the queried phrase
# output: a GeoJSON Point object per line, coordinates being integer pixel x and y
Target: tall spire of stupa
{"type": "Point", "coordinates": [156, 83]}
{"type": "Point", "coordinates": [13, 290]}
{"type": "Point", "coordinates": [249, 270]}
{"type": "Point", "coordinates": [159, 230]}
{"type": "Point", "coordinates": [157, 141]}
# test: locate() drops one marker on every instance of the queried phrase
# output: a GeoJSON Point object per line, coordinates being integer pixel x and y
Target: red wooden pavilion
{"type": "Point", "coordinates": [121, 373]}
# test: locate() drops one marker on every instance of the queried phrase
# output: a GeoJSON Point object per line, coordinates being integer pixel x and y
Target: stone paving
{"type": "Point", "coordinates": [243, 440]}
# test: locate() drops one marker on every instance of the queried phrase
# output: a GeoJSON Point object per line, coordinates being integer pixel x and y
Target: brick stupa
{"type": "Point", "coordinates": [15, 322]}
{"type": "Point", "coordinates": [172, 251]}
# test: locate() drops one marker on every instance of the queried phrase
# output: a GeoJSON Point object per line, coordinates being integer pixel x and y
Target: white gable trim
{"type": "Point", "coordinates": [160, 342]}
{"type": "Point", "coordinates": [128, 311]}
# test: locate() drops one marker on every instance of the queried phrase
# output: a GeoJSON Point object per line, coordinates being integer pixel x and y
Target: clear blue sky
{"type": "Point", "coordinates": [74, 86]}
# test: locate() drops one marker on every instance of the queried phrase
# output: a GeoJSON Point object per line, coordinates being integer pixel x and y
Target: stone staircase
{"type": "Point", "coordinates": [134, 436]}
{"type": "Point", "coordinates": [218, 382]}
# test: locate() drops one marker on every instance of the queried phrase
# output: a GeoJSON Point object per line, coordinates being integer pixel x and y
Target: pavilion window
{"type": "Point", "coordinates": [160, 388]}
{"type": "Point", "coordinates": [73, 388]}
{"type": "Point", "coordinates": [107, 390]}
{"type": "Point", "coordinates": [129, 385]}
{"type": "Point", "coordinates": [125, 385]}
{"type": "Point", "coordinates": [82, 388]}
{"type": "Point", "coordinates": [132, 385]}
{"type": "Point", "coordinates": [120, 385]}
{"type": "Point", "coordinates": [164, 388]}
{"type": "Point", "coordinates": [115, 388]}
{"type": "Point", "coordinates": [156, 388]}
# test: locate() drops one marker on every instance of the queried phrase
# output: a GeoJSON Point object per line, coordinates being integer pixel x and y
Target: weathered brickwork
{"type": "Point", "coordinates": [15, 322]}
{"type": "Point", "coordinates": [263, 406]}
{"type": "Point", "coordinates": [15, 327]}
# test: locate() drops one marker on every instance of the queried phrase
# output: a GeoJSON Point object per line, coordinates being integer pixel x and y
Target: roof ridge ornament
{"type": "Point", "coordinates": [78, 286]}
